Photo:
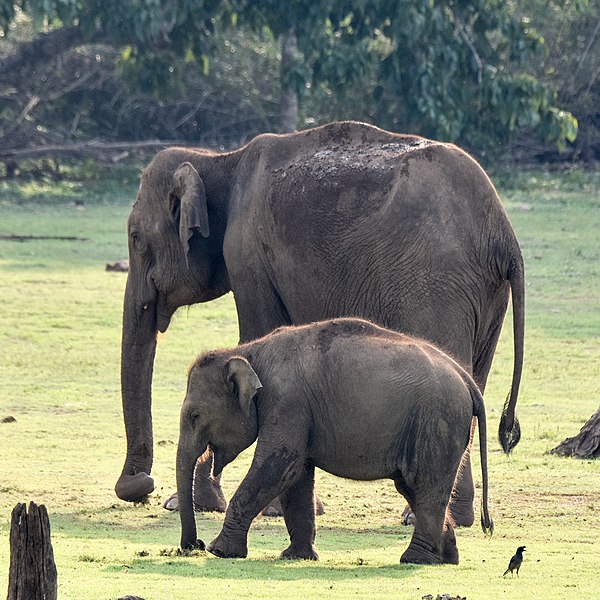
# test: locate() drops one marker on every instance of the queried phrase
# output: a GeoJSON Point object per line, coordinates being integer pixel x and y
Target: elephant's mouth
{"type": "Point", "coordinates": [164, 313]}
{"type": "Point", "coordinates": [219, 461]}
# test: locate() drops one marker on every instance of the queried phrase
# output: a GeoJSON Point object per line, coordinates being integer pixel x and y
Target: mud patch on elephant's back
{"type": "Point", "coordinates": [364, 166]}
{"type": "Point", "coordinates": [343, 173]}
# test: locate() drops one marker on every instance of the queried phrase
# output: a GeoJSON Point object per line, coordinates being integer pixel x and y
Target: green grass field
{"type": "Point", "coordinates": [60, 320]}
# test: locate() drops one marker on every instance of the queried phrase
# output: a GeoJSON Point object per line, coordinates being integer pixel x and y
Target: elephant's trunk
{"type": "Point", "coordinates": [186, 462]}
{"type": "Point", "coordinates": [137, 362]}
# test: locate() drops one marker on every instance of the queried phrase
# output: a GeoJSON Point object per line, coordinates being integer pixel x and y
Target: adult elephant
{"type": "Point", "coordinates": [341, 220]}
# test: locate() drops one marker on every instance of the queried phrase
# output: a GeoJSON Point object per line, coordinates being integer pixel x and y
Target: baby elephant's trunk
{"type": "Point", "coordinates": [186, 462]}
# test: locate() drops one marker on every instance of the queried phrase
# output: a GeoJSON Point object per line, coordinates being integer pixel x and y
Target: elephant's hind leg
{"type": "Point", "coordinates": [298, 504]}
{"type": "Point", "coordinates": [461, 503]}
{"type": "Point", "coordinates": [433, 540]}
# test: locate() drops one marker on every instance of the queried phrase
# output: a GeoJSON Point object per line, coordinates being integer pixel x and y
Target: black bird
{"type": "Point", "coordinates": [515, 561]}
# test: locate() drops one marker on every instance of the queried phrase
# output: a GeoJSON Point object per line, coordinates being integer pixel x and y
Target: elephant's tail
{"type": "Point", "coordinates": [509, 431]}
{"type": "Point", "coordinates": [487, 523]}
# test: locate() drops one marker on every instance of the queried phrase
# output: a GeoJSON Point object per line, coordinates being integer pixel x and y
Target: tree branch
{"type": "Point", "coordinates": [587, 49]}
{"type": "Point", "coordinates": [79, 148]}
{"type": "Point", "coordinates": [464, 35]}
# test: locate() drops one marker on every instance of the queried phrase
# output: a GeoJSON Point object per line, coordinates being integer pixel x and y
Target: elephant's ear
{"type": "Point", "coordinates": [242, 381]}
{"type": "Point", "coordinates": [188, 199]}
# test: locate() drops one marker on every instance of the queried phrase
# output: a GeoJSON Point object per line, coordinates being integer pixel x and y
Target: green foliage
{"type": "Point", "coordinates": [571, 30]}
{"type": "Point", "coordinates": [158, 74]}
{"type": "Point", "coordinates": [97, 92]}
{"type": "Point", "coordinates": [459, 71]}
{"type": "Point", "coordinates": [59, 377]}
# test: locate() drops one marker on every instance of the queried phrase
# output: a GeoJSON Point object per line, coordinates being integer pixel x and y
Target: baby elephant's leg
{"type": "Point", "coordinates": [272, 472]}
{"type": "Point", "coordinates": [428, 537]}
{"type": "Point", "coordinates": [298, 503]}
{"type": "Point", "coordinates": [433, 540]}
{"type": "Point", "coordinates": [434, 543]}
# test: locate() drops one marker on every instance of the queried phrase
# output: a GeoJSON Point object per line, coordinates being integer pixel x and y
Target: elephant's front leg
{"type": "Point", "coordinates": [208, 495]}
{"type": "Point", "coordinates": [271, 474]}
{"type": "Point", "coordinates": [298, 504]}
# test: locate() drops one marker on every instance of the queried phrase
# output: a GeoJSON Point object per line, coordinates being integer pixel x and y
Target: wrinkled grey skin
{"type": "Point", "coordinates": [341, 220]}
{"type": "Point", "coordinates": [345, 396]}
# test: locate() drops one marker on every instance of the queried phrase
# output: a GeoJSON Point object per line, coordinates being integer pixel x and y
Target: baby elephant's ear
{"type": "Point", "coordinates": [243, 381]}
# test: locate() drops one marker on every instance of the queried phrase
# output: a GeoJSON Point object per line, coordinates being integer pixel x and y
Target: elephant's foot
{"type": "Point", "coordinates": [210, 499]}
{"type": "Point", "coordinates": [134, 488]}
{"type": "Point", "coordinates": [225, 548]}
{"type": "Point", "coordinates": [418, 554]}
{"type": "Point", "coordinates": [419, 557]}
{"type": "Point", "coordinates": [293, 552]}
{"type": "Point", "coordinates": [449, 547]}
{"type": "Point", "coordinates": [274, 509]}
{"type": "Point", "coordinates": [408, 516]}
{"type": "Point", "coordinates": [171, 503]}
{"type": "Point", "coordinates": [208, 495]}
{"type": "Point", "coordinates": [319, 506]}
{"type": "Point", "coordinates": [197, 545]}
{"type": "Point", "coordinates": [421, 551]}
{"type": "Point", "coordinates": [461, 512]}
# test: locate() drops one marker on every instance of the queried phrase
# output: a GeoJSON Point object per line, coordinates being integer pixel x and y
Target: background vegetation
{"type": "Point", "coordinates": [59, 378]}
{"type": "Point", "coordinates": [512, 81]}
{"type": "Point", "coordinates": [514, 77]}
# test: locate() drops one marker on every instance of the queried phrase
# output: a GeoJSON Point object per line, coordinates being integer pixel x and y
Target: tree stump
{"type": "Point", "coordinates": [32, 574]}
{"type": "Point", "coordinates": [586, 444]}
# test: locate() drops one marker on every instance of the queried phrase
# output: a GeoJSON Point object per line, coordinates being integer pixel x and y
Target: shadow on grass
{"type": "Point", "coordinates": [153, 534]}
{"type": "Point", "coordinates": [269, 568]}
{"type": "Point", "coordinates": [147, 528]}
{"type": "Point", "coordinates": [151, 526]}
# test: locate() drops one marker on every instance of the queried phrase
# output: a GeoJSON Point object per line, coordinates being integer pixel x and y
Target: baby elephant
{"type": "Point", "coordinates": [347, 396]}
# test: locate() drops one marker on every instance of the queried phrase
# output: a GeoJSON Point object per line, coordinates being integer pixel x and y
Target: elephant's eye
{"type": "Point", "coordinates": [136, 240]}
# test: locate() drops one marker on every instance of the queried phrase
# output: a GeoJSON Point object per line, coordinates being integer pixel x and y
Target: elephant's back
{"type": "Point", "coordinates": [351, 220]}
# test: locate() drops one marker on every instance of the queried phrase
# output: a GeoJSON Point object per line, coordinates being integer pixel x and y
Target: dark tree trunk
{"type": "Point", "coordinates": [32, 574]}
{"type": "Point", "coordinates": [289, 96]}
{"type": "Point", "coordinates": [586, 444]}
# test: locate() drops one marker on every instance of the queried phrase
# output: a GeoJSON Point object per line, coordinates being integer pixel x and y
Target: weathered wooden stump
{"type": "Point", "coordinates": [32, 574]}
{"type": "Point", "coordinates": [586, 444]}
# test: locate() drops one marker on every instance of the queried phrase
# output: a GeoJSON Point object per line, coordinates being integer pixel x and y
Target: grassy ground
{"type": "Point", "coordinates": [59, 377]}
